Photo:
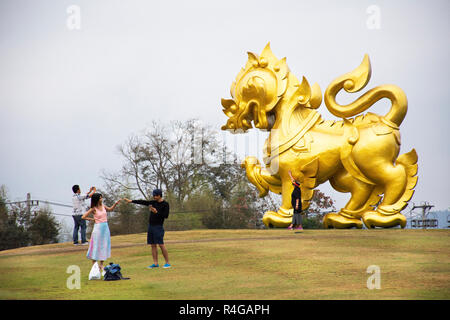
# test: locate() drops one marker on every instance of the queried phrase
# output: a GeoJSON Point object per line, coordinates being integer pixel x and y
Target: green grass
{"type": "Point", "coordinates": [184, 221]}
{"type": "Point", "coordinates": [244, 264]}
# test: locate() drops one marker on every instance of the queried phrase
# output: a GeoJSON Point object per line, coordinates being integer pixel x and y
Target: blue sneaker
{"type": "Point", "coordinates": [153, 266]}
{"type": "Point", "coordinates": [167, 266]}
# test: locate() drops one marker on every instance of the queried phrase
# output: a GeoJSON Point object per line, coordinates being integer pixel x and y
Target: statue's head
{"type": "Point", "coordinates": [260, 88]}
{"type": "Point", "coordinates": [257, 90]}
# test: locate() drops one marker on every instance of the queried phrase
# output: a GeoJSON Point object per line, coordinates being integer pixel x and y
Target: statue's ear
{"type": "Point", "coordinates": [304, 92]}
{"type": "Point", "coordinates": [316, 97]}
{"type": "Point", "coordinates": [252, 59]}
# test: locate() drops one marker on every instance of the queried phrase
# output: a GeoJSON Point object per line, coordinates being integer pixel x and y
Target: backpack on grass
{"type": "Point", "coordinates": [112, 273]}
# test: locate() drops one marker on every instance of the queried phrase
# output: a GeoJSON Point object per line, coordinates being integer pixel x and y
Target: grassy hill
{"type": "Point", "coordinates": [244, 264]}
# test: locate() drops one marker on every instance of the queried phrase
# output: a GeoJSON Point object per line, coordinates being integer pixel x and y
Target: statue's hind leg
{"type": "Point", "coordinates": [350, 215]}
{"type": "Point", "coordinates": [388, 214]}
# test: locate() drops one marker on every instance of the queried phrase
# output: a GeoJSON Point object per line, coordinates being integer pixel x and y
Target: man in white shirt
{"type": "Point", "coordinates": [78, 210]}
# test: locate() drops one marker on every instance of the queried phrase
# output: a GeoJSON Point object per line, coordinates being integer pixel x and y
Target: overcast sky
{"type": "Point", "coordinates": [69, 97]}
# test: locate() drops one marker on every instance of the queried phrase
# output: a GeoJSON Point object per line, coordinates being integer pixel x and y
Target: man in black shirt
{"type": "Point", "coordinates": [159, 210]}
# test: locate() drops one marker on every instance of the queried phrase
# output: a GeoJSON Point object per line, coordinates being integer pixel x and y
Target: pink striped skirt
{"type": "Point", "coordinates": [100, 243]}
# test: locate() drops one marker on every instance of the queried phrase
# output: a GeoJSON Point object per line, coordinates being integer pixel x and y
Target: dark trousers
{"type": "Point", "coordinates": [79, 224]}
{"type": "Point", "coordinates": [297, 219]}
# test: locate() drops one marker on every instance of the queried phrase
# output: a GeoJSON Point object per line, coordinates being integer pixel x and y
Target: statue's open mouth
{"type": "Point", "coordinates": [245, 117]}
{"type": "Point", "coordinates": [261, 119]}
{"type": "Point", "coordinates": [242, 115]}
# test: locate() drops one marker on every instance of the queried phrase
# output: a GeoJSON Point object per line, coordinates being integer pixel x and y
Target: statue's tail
{"type": "Point", "coordinates": [355, 81]}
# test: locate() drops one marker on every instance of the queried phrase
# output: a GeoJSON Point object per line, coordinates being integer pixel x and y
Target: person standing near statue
{"type": "Point", "coordinates": [296, 201]}
{"type": "Point", "coordinates": [159, 210]}
{"type": "Point", "coordinates": [78, 210]}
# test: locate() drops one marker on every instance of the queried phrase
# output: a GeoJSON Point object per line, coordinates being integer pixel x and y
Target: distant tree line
{"type": "Point", "coordinates": [20, 227]}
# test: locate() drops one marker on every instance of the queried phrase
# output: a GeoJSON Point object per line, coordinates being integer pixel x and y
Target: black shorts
{"type": "Point", "coordinates": [155, 234]}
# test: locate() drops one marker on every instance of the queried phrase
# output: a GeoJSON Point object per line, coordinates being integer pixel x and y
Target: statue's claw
{"type": "Point", "coordinates": [374, 219]}
{"type": "Point", "coordinates": [276, 219]}
{"type": "Point", "coordinates": [338, 221]}
{"type": "Point", "coordinates": [253, 171]}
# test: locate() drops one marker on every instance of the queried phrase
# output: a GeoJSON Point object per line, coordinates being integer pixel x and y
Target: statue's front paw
{"type": "Point", "coordinates": [276, 219]}
{"type": "Point", "coordinates": [249, 162]}
{"type": "Point", "coordinates": [337, 221]}
{"type": "Point", "coordinates": [253, 171]}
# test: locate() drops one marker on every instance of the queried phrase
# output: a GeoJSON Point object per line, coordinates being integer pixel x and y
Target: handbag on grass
{"type": "Point", "coordinates": [94, 274]}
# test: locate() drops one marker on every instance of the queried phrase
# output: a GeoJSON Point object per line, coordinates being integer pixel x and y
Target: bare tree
{"type": "Point", "coordinates": [173, 157]}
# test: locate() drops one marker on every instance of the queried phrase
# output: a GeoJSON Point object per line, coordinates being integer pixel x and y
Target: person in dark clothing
{"type": "Point", "coordinates": [159, 210]}
{"type": "Point", "coordinates": [296, 201]}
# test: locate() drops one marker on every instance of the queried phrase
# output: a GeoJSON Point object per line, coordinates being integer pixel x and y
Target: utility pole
{"type": "Point", "coordinates": [425, 207]}
{"type": "Point", "coordinates": [28, 204]}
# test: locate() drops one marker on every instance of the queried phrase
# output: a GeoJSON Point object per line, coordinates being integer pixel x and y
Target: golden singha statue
{"type": "Point", "coordinates": [357, 155]}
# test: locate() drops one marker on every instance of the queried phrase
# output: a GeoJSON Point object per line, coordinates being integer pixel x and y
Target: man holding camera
{"type": "Point", "coordinates": [159, 210]}
{"type": "Point", "coordinates": [78, 210]}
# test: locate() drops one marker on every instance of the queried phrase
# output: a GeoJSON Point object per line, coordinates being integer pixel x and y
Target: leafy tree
{"type": "Point", "coordinates": [3, 208]}
{"type": "Point", "coordinates": [20, 228]}
{"type": "Point", "coordinates": [12, 235]}
{"type": "Point", "coordinates": [236, 203]}
{"type": "Point", "coordinates": [43, 228]}
{"type": "Point", "coordinates": [320, 203]}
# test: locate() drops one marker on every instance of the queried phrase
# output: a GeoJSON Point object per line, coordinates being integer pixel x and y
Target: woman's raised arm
{"type": "Point", "coordinates": [113, 206]}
